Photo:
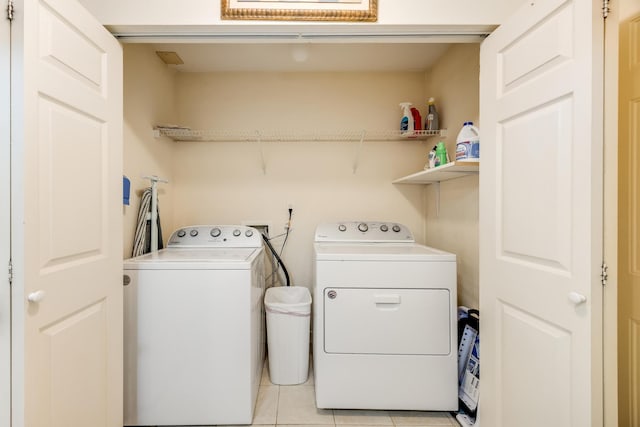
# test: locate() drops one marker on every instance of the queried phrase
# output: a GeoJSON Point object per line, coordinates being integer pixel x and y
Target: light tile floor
{"type": "Point", "coordinates": [294, 406]}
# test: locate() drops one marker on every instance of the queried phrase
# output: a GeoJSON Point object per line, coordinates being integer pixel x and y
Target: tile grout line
{"type": "Point", "coordinates": [277, 404]}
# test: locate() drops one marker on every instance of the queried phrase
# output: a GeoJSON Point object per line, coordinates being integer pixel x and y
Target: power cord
{"type": "Point", "coordinates": [286, 235]}
{"type": "Point", "coordinates": [275, 254]}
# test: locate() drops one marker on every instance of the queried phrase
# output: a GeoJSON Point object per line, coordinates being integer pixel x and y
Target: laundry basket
{"type": "Point", "coordinates": [288, 319]}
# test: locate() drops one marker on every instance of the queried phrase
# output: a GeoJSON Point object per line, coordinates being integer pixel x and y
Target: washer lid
{"type": "Point", "coordinates": [380, 252]}
{"type": "Point", "coordinates": [196, 259]}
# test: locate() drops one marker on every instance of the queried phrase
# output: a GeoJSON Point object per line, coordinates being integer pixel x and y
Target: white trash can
{"type": "Point", "coordinates": [288, 319]}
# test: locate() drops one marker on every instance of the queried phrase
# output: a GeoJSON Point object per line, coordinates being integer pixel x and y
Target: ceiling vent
{"type": "Point", "coordinates": [170, 58]}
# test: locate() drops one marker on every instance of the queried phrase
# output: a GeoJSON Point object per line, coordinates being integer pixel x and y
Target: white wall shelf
{"type": "Point", "coordinates": [185, 134]}
{"type": "Point", "coordinates": [178, 133]}
{"type": "Point", "coordinates": [441, 173]}
{"type": "Point", "coordinates": [434, 176]}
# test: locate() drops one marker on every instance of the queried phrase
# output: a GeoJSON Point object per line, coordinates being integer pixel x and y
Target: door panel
{"type": "Point", "coordinates": [84, 363]}
{"type": "Point", "coordinates": [523, 61]}
{"type": "Point", "coordinates": [541, 217]}
{"type": "Point", "coordinates": [537, 232]}
{"type": "Point", "coordinates": [389, 321]}
{"type": "Point", "coordinates": [547, 354]}
{"type": "Point", "coordinates": [68, 216]}
{"type": "Point", "coordinates": [71, 235]}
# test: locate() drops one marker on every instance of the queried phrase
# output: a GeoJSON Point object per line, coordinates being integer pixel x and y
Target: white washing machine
{"type": "Point", "coordinates": [194, 329]}
{"type": "Point", "coordinates": [385, 334]}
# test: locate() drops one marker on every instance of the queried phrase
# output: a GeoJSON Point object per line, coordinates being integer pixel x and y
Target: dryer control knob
{"type": "Point", "coordinates": [342, 227]}
{"type": "Point", "coordinates": [248, 233]}
{"type": "Point", "coordinates": [193, 233]}
{"type": "Point", "coordinates": [215, 232]}
{"type": "Point", "coordinates": [182, 233]}
{"type": "Point", "coordinates": [384, 228]}
{"type": "Point", "coordinates": [396, 228]}
{"type": "Point", "coordinates": [363, 227]}
{"type": "Point", "coordinates": [237, 232]}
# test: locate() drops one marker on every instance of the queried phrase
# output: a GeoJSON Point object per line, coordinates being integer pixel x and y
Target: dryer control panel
{"type": "Point", "coordinates": [363, 231]}
{"type": "Point", "coordinates": [216, 236]}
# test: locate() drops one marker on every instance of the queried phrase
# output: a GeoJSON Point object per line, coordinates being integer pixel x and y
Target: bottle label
{"type": "Point", "coordinates": [404, 124]}
{"type": "Point", "coordinates": [432, 159]}
{"type": "Point", "coordinates": [468, 150]}
{"type": "Point", "coordinates": [475, 150]}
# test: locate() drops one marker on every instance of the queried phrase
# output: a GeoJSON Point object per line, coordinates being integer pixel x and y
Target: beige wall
{"type": "Point", "coordinates": [453, 81]}
{"type": "Point", "coordinates": [149, 99]}
{"type": "Point", "coordinates": [224, 182]}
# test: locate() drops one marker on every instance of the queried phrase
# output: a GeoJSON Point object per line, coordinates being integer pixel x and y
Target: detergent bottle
{"type": "Point", "coordinates": [468, 143]}
{"type": "Point", "coordinates": [406, 123]}
{"type": "Point", "coordinates": [417, 119]}
{"type": "Point", "coordinates": [441, 154]}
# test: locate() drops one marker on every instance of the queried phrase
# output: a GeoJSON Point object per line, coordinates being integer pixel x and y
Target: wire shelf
{"type": "Point", "coordinates": [186, 134]}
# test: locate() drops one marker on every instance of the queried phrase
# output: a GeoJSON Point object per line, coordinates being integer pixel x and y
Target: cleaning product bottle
{"type": "Point", "coordinates": [441, 154]}
{"type": "Point", "coordinates": [417, 119]}
{"type": "Point", "coordinates": [468, 143]}
{"type": "Point", "coordinates": [432, 159]}
{"type": "Point", "coordinates": [432, 121]}
{"type": "Point", "coordinates": [406, 123]}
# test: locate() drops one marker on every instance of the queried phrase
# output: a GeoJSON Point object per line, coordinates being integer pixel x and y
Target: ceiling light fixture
{"type": "Point", "coordinates": [300, 52]}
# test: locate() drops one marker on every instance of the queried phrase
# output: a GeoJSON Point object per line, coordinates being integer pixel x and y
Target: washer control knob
{"type": "Point", "coordinates": [363, 227]}
{"type": "Point", "coordinates": [248, 233]}
{"type": "Point", "coordinates": [182, 233]}
{"type": "Point", "coordinates": [215, 232]}
{"type": "Point", "coordinates": [236, 232]}
{"type": "Point", "coordinates": [384, 228]}
{"type": "Point", "coordinates": [342, 227]}
{"type": "Point", "coordinates": [193, 233]}
{"type": "Point", "coordinates": [396, 228]}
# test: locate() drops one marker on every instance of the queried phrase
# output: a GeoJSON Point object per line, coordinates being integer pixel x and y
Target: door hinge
{"type": "Point", "coordinates": [10, 272]}
{"type": "Point", "coordinates": [605, 9]}
{"type": "Point", "coordinates": [10, 10]}
{"type": "Point", "coordinates": [604, 275]}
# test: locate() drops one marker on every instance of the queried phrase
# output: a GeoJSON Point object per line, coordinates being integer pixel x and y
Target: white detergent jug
{"type": "Point", "coordinates": [468, 143]}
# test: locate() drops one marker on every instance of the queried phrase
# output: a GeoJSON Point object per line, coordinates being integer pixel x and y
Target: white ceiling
{"type": "Point", "coordinates": [278, 57]}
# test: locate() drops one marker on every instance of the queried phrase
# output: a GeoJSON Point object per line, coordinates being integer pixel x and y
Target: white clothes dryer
{"type": "Point", "coordinates": [194, 329]}
{"type": "Point", "coordinates": [384, 333]}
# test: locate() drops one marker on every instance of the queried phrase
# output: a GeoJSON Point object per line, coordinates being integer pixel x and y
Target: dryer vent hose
{"type": "Point", "coordinates": [275, 254]}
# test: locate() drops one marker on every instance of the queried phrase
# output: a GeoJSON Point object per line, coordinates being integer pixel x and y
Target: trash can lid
{"type": "Point", "coordinates": [289, 298]}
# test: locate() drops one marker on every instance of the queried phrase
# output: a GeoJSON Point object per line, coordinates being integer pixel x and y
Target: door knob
{"type": "Point", "coordinates": [577, 298]}
{"type": "Point", "coordinates": [36, 296]}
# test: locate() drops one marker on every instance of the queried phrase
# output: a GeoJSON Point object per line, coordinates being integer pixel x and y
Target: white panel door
{"type": "Point", "coordinates": [67, 178]}
{"type": "Point", "coordinates": [541, 217]}
{"type": "Point", "coordinates": [5, 242]}
{"type": "Point", "coordinates": [629, 221]}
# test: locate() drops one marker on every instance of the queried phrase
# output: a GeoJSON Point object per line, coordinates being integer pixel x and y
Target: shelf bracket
{"type": "Point", "coordinates": [357, 158]}
{"type": "Point", "coordinates": [263, 163]}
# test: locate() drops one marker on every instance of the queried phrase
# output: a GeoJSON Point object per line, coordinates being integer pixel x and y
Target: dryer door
{"type": "Point", "coordinates": [387, 321]}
